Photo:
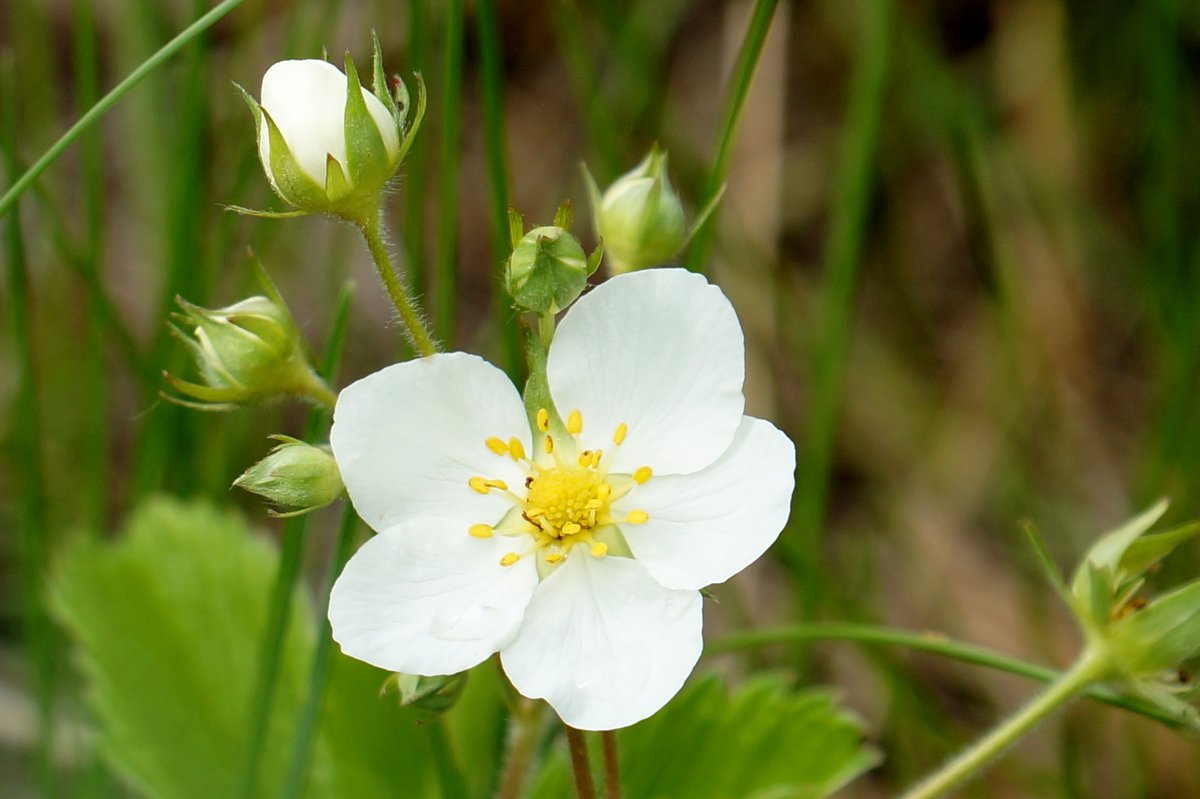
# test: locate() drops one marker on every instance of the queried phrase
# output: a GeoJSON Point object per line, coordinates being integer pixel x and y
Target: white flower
{"type": "Point", "coordinates": [576, 552]}
{"type": "Point", "coordinates": [306, 102]}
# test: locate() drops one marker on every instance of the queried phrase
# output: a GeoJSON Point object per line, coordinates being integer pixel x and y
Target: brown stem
{"type": "Point", "coordinates": [612, 769]}
{"type": "Point", "coordinates": [584, 787]}
{"type": "Point", "coordinates": [521, 740]}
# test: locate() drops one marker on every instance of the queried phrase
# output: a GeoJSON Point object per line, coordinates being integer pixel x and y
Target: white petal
{"type": "Point", "coordinates": [660, 350]}
{"type": "Point", "coordinates": [408, 438]}
{"type": "Point", "coordinates": [706, 527]}
{"type": "Point", "coordinates": [307, 101]}
{"type": "Point", "coordinates": [604, 644]}
{"type": "Point", "coordinates": [427, 598]}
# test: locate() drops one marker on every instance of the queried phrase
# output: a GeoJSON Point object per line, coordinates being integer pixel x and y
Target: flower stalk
{"type": "Point", "coordinates": [1094, 665]}
{"type": "Point", "coordinates": [585, 788]}
{"type": "Point", "coordinates": [522, 741]}
{"type": "Point", "coordinates": [612, 766]}
{"type": "Point", "coordinates": [417, 333]}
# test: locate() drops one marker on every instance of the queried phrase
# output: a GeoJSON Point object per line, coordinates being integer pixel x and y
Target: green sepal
{"type": "Point", "coordinates": [337, 185]}
{"type": "Point", "coordinates": [366, 153]}
{"type": "Point", "coordinates": [380, 88]}
{"type": "Point", "coordinates": [594, 197]}
{"type": "Point", "coordinates": [1150, 549]}
{"type": "Point", "coordinates": [593, 260]}
{"type": "Point", "coordinates": [1155, 692]}
{"type": "Point", "coordinates": [292, 184]}
{"type": "Point", "coordinates": [418, 115]}
{"type": "Point", "coordinates": [255, 108]}
{"type": "Point", "coordinates": [1162, 635]}
{"type": "Point", "coordinates": [1110, 549]}
{"type": "Point", "coordinates": [261, 214]}
{"type": "Point", "coordinates": [433, 695]}
{"type": "Point", "coordinates": [547, 271]}
{"type": "Point", "coordinates": [1049, 568]}
{"type": "Point", "coordinates": [564, 215]}
{"type": "Point", "coordinates": [516, 227]}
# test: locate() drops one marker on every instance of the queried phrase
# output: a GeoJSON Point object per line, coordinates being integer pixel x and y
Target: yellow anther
{"type": "Point", "coordinates": [575, 423]}
{"type": "Point", "coordinates": [516, 449]}
{"type": "Point", "coordinates": [571, 528]}
{"type": "Point", "coordinates": [602, 491]}
{"type": "Point", "coordinates": [554, 557]}
{"type": "Point", "coordinates": [497, 446]}
{"type": "Point", "coordinates": [585, 458]}
{"type": "Point", "coordinates": [619, 436]}
{"type": "Point", "coordinates": [509, 559]}
{"type": "Point", "coordinates": [599, 549]}
{"type": "Point", "coordinates": [642, 474]}
{"type": "Point", "coordinates": [548, 444]}
{"type": "Point", "coordinates": [543, 420]}
{"type": "Point", "coordinates": [637, 516]}
{"type": "Point", "coordinates": [480, 530]}
{"type": "Point", "coordinates": [500, 484]}
{"type": "Point", "coordinates": [596, 456]}
{"type": "Point", "coordinates": [535, 512]}
{"type": "Point", "coordinates": [478, 484]}
{"type": "Point", "coordinates": [593, 504]}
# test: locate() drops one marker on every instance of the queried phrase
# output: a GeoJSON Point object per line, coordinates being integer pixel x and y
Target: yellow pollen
{"type": "Point", "coordinates": [554, 557]}
{"type": "Point", "coordinates": [571, 528]}
{"type": "Point", "coordinates": [619, 436]}
{"type": "Point", "coordinates": [599, 549]}
{"type": "Point", "coordinates": [478, 484]}
{"type": "Point", "coordinates": [642, 474]}
{"type": "Point", "coordinates": [543, 420]}
{"type": "Point", "coordinates": [516, 449]}
{"type": "Point", "coordinates": [637, 516]}
{"type": "Point", "coordinates": [497, 446]}
{"type": "Point", "coordinates": [575, 423]}
{"type": "Point", "coordinates": [481, 530]}
{"type": "Point", "coordinates": [548, 445]}
{"type": "Point", "coordinates": [509, 559]}
{"type": "Point", "coordinates": [565, 501]}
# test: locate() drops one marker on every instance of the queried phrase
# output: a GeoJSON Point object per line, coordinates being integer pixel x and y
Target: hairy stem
{"type": "Point", "coordinates": [418, 333]}
{"type": "Point", "coordinates": [585, 788]}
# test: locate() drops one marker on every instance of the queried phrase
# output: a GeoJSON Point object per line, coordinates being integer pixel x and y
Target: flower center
{"type": "Point", "coordinates": [567, 498]}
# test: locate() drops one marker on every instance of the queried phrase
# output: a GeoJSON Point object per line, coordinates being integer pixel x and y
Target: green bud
{"type": "Point", "coordinates": [1161, 635]}
{"type": "Point", "coordinates": [434, 695]}
{"type": "Point", "coordinates": [639, 217]}
{"type": "Point", "coordinates": [548, 268]}
{"type": "Point", "coordinates": [247, 352]}
{"type": "Point", "coordinates": [295, 476]}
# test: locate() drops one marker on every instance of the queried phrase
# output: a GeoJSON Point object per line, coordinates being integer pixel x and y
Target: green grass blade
{"type": "Point", "coordinates": [444, 297]}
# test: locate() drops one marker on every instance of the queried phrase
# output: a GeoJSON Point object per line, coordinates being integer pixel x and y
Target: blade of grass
{"type": "Point", "coordinates": [585, 83]}
{"type": "Point", "coordinates": [295, 531]}
{"type": "Point", "coordinates": [494, 143]}
{"type": "Point", "coordinates": [841, 262]}
{"type": "Point", "coordinates": [743, 74]}
{"type": "Point", "coordinates": [27, 431]}
{"type": "Point", "coordinates": [925, 642]}
{"type": "Point", "coordinates": [444, 303]}
{"type": "Point", "coordinates": [98, 110]}
{"type": "Point", "coordinates": [416, 161]}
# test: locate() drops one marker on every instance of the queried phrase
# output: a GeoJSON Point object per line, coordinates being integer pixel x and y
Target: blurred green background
{"type": "Point", "coordinates": [961, 236]}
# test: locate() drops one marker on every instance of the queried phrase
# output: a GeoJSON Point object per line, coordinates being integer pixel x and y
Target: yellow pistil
{"type": "Point", "coordinates": [642, 474]}
{"type": "Point", "coordinates": [637, 517]}
{"type": "Point", "coordinates": [619, 436]}
{"type": "Point", "coordinates": [480, 530]}
{"type": "Point", "coordinates": [497, 446]}
{"type": "Point", "coordinates": [575, 423]}
{"type": "Point", "coordinates": [543, 420]}
{"type": "Point", "coordinates": [516, 449]}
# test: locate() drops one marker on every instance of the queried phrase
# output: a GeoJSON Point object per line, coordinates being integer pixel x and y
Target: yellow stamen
{"type": "Point", "coordinates": [642, 474]}
{"type": "Point", "coordinates": [599, 549]}
{"type": "Point", "coordinates": [619, 436]}
{"type": "Point", "coordinates": [543, 420]}
{"type": "Point", "coordinates": [585, 458]}
{"type": "Point", "coordinates": [481, 530]}
{"type": "Point", "coordinates": [596, 456]}
{"type": "Point", "coordinates": [554, 557]}
{"type": "Point", "coordinates": [571, 528]}
{"type": "Point", "coordinates": [535, 512]}
{"type": "Point", "coordinates": [548, 445]}
{"type": "Point", "coordinates": [500, 484]}
{"type": "Point", "coordinates": [478, 484]}
{"type": "Point", "coordinates": [637, 516]}
{"type": "Point", "coordinates": [602, 491]}
{"type": "Point", "coordinates": [497, 446]}
{"type": "Point", "coordinates": [575, 423]}
{"type": "Point", "coordinates": [593, 504]}
{"type": "Point", "coordinates": [509, 559]}
{"type": "Point", "coordinates": [516, 449]}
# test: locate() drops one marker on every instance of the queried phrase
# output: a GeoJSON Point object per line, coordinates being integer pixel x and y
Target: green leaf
{"type": "Point", "coordinates": [762, 741]}
{"type": "Point", "coordinates": [166, 621]}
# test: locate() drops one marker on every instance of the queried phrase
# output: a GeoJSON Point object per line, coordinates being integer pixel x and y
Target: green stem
{"type": "Point", "coordinates": [931, 643]}
{"type": "Point", "coordinates": [585, 788]}
{"type": "Point", "coordinates": [109, 100]}
{"type": "Point", "coordinates": [612, 765]}
{"type": "Point", "coordinates": [743, 73]}
{"type": "Point", "coordinates": [522, 741]}
{"type": "Point", "coordinates": [451, 126]}
{"type": "Point", "coordinates": [418, 334]}
{"type": "Point", "coordinates": [1088, 669]}
{"type": "Point", "coordinates": [306, 727]}
{"type": "Point", "coordinates": [449, 771]}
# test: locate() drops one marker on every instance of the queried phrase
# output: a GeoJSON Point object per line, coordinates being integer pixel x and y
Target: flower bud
{"type": "Point", "coordinates": [433, 695]}
{"type": "Point", "coordinates": [639, 217]}
{"type": "Point", "coordinates": [326, 143]}
{"type": "Point", "coordinates": [247, 352]}
{"type": "Point", "coordinates": [548, 268]}
{"type": "Point", "coordinates": [295, 476]}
